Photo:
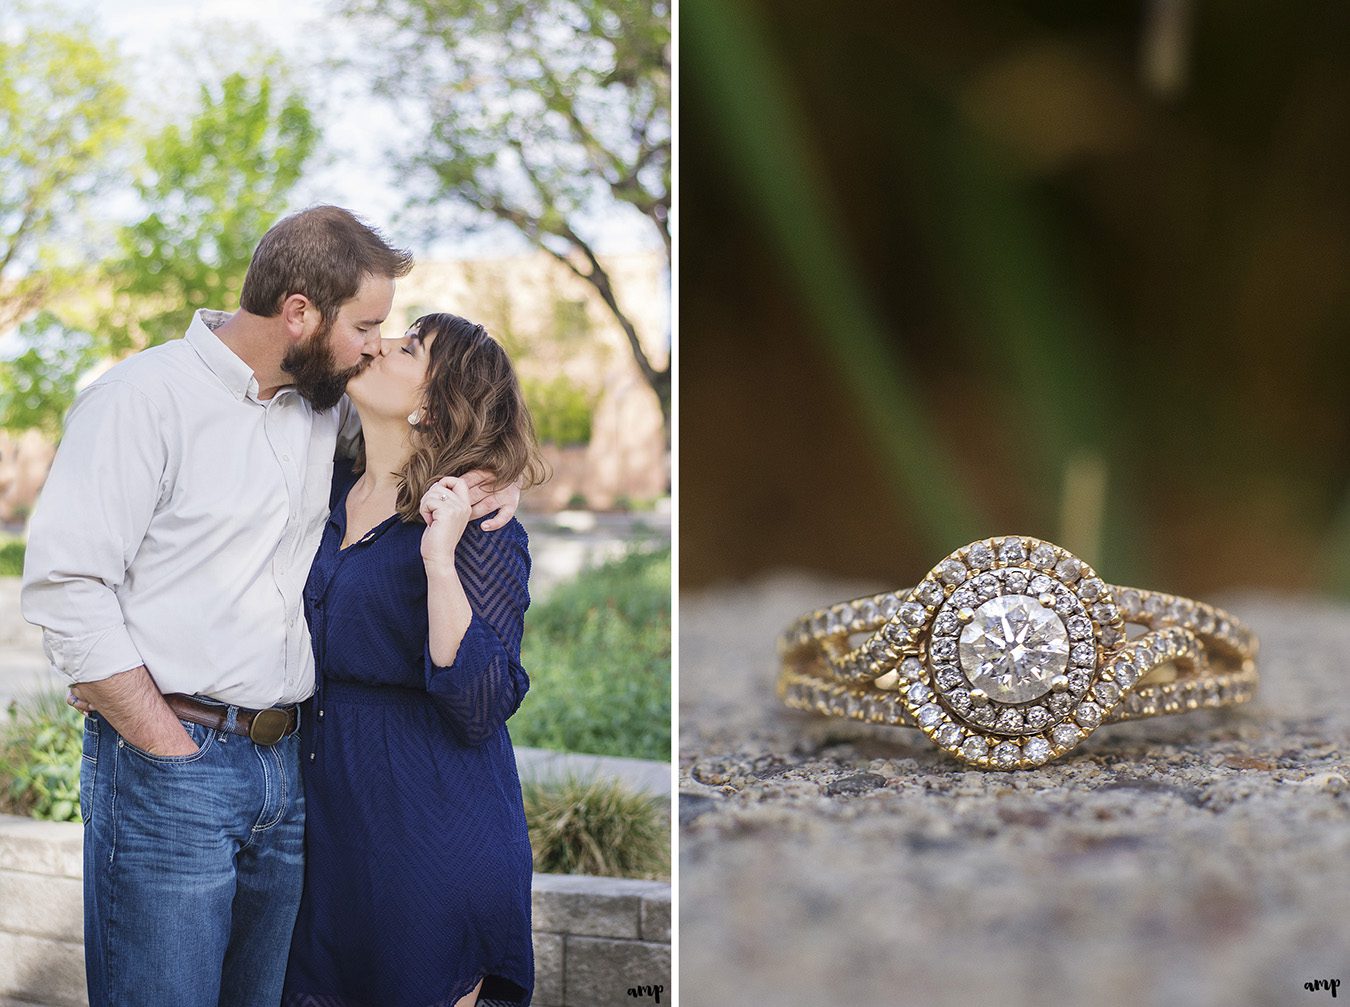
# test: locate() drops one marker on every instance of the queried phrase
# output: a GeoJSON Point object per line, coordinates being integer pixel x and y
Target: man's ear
{"type": "Point", "coordinates": [300, 317]}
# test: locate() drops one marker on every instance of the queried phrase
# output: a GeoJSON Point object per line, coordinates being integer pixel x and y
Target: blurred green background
{"type": "Point", "coordinates": [1073, 270]}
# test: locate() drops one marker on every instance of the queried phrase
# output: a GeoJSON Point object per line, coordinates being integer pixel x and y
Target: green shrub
{"type": "Point", "coordinates": [598, 655]}
{"type": "Point", "coordinates": [596, 826]}
{"type": "Point", "coordinates": [11, 557]}
{"type": "Point", "coordinates": [561, 410]}
{"type": "Point", "coordinates": [40, 748]}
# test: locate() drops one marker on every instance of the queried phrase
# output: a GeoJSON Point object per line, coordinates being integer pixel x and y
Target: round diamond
{"type": "Point", "coordinates": [965, 597]}
{"type": "Point", "coordinates": [1106, 693]}
{"type": "Point", "coordinates": [1090, 589]}
{"type": "Point", "coordinates": [1089, 714]}
{"type": "Point", "coordinates": [1037, 717]}
{"type": "Point", "coordinates": [889, 606]}
{"type": "Point", "coordinates": [949, 678]}
{"type": "Point", "coordinates": [913, 613]}
{"type": "Point", "coordinates": [919, 693]}
{"type": "Point", "coordinates": [896, 632]}
{"type": "Point", "coordinates": [1012, 551]}
{"type": "Point", "coordinates": [952, 571]}
{"type": "Point", "coordinates": [930, 714]}
{"type": "Point", "coordinates": [944, 649]}
{"type": "Point", "coordinates": [1043, 556]}
{"type": "Point", "coordinates": [911, 667]}
{"type": "Point", "coordinates": [1065, 735]}
{"type": "Point", "coordinates": [1036, 750]}
{"type": "Point", "coordinates": [980, 556]}
{"type": "Point", "coordinates": [974, 747]}
{"type": "Point", "coordinates": [948, 735]}
{"type": "Point", "coordinates": [1013, 648]}
{"type": "Point", "coordinates": [1068, 569]}
{"type": "Point", "coordinates": [929, 592]}
{"type": "Point", "coordinates": [1006, 754]}
{"type": "Point", "coordinates": [1126, 674]}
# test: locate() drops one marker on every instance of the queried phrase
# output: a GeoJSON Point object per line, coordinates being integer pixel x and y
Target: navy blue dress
{"type": "Point", "coordinates": [417, 858]}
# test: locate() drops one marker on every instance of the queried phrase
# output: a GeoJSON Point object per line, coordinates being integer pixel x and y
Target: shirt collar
{"type": "Point", "coordinates": [234, 374]}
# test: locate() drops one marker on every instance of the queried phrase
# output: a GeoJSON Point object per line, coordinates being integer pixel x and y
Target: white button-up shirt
{"type": "Point", "coordinates": [177, 526]}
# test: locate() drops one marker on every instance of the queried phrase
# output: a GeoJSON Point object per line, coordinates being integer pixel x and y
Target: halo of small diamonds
{"type": "Point", "coordinates": [1008, 646]}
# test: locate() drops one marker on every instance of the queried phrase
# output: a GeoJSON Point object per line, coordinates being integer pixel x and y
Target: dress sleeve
{"type": "Point", "coordinates": [485, 683]}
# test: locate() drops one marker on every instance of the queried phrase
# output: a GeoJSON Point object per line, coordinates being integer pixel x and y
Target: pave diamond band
{"type": "Point", "coordinates": [1011, 651]}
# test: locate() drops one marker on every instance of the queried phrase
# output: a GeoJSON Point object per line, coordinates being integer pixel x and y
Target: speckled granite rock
{"type": "Point", "coordinates": [1197, 859]}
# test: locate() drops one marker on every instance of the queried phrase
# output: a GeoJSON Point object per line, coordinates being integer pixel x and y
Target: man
{"type": "Point", "coordinates": [165, 563]}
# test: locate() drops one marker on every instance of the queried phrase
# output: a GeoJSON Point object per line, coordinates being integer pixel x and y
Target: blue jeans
{"type": "Point", "coordinates": [193, 866]}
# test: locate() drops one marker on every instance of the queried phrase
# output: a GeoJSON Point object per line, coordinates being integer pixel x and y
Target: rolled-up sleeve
{"type": "Point", "coordinates": [485, 683]}
{"type": "Point", "coordinates": [103, 489]}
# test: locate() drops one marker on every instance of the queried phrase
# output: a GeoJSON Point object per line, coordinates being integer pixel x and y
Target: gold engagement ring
{"type": "Point", "coordinates": [1011, 651]}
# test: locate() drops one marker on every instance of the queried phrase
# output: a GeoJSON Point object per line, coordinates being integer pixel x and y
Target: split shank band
{"type": "Point", "coordinates": [1011, 651]}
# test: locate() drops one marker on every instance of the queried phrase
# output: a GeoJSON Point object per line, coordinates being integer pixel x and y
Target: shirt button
{"type": "Point", "coordinates": [320, 713]}
{"type": "Point", "coordinates": [285, 458]}
{"type": "Point", "coordinates": [311, 756]}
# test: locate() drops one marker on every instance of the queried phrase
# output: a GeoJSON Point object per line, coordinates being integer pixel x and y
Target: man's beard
{"type": "Point", "coordinates": [310, 364]}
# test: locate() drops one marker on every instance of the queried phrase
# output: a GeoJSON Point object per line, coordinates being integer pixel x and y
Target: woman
{"type": "Point", "coordinates": [418, 864]}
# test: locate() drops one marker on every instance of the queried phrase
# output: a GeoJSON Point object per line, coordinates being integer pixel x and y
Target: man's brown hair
{"type": "Point", "coordinates": [323, 253]}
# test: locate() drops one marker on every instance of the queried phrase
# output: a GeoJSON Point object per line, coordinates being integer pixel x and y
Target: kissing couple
{"type": "Point", "coordinates": [277, 561]}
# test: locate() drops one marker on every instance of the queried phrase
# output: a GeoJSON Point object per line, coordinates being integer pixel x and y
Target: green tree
{"type": "Point", "coordinates": [38, 385]}
{"type": "Point", "coordinates": [210, 187]}
{"type": "Point", "coordinates": [541, 112]}
{"type": "Point", "coordinates": [61, 118]}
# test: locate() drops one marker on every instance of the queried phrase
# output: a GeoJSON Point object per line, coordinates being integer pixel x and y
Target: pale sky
{"type": "Point", "coordinates": [359, 132]}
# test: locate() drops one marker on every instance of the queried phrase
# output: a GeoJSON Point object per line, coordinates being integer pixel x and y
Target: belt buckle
{"type": "Point", "coordinates": [268, 727]}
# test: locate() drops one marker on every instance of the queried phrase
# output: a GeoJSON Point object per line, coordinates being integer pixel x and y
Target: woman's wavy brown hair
{"type": "Point", "coordinates": [473, 414]}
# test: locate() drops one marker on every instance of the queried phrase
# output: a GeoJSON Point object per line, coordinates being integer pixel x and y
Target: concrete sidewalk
{"type": "Point", "coordinates": [640, 774]}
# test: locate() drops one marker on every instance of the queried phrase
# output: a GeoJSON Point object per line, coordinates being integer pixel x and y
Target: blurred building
{"type": "Point", "coordinates": [555, 327]}
{"type": "Point", "coordinates": [24, 460]}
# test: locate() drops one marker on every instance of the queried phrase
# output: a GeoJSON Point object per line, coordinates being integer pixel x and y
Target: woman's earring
{"type": "Point", "coordinates": [415, 417]}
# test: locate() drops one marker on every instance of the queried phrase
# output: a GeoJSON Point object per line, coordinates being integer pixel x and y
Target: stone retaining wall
{"type": "Point", "coordinates": [594, 938]}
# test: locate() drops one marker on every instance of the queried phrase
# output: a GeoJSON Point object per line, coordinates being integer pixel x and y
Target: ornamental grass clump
{"type": "Point", "coordinates": [41, 741]}
{"type": "Point", "coordinates": [596, 826]}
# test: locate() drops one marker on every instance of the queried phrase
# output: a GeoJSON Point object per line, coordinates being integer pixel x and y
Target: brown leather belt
{"type": "Point", "coordinates": [263, 727]}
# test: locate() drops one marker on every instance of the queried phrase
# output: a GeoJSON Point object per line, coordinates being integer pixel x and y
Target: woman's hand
{"type": "Point", "coordinates": [445, 508]}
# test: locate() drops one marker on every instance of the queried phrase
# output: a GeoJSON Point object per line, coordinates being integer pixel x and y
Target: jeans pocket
{"type": "Point", "coordinates": [204, 737]}
{"type": "Point", "coordinates": [88, 766]}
